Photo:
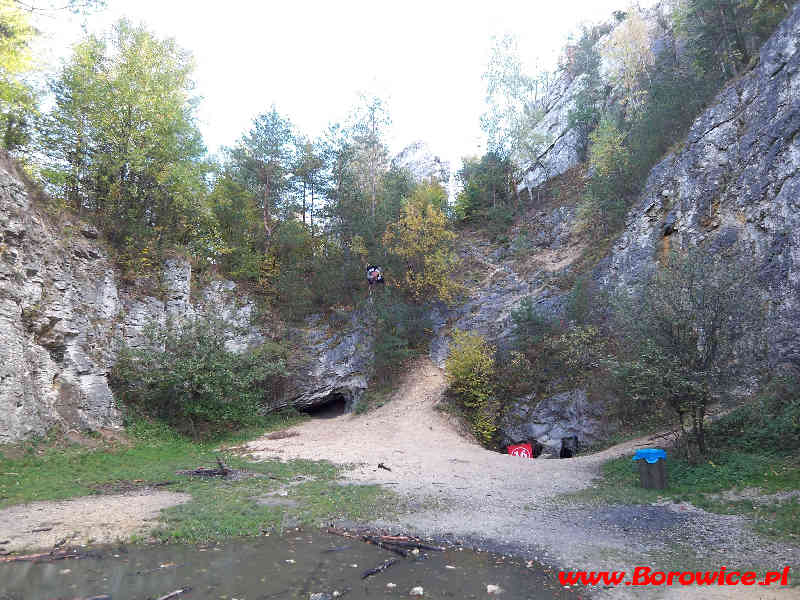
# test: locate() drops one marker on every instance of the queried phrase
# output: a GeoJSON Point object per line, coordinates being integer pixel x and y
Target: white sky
{"type": "Point", "coordinates": [312, 58]}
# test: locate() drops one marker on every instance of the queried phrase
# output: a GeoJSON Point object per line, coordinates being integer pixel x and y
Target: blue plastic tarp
{"type": "Point", "coordinates": [651, 455]}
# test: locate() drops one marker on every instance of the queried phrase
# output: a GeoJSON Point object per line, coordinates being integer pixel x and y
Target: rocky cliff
{"type": "Point", "coordinates": [563, 143]}
{"type": "Point", "coordinates": [63, 309]}
{"type": "Point", "coordinates": [733, 188]}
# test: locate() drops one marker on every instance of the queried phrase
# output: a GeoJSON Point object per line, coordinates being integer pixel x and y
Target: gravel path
{"type": "Point", "coordinates": [456, 489]}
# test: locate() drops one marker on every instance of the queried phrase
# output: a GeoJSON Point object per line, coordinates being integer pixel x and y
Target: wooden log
{"type": "Point", "coordinates": [44, 556]}
{"type": "Point", "coordinates": [385, 545]}
{"type": "Point", "coordinates": [381, 567]}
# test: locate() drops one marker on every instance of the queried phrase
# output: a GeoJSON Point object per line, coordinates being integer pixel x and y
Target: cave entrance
{"type": "Point", "coordinates": [334, 405]}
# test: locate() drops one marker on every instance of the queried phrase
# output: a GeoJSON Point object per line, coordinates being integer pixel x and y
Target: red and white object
{"type": "Point", "coordinates": [521, 450]}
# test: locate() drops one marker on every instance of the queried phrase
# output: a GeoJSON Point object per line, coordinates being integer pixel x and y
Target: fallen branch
{"type": "Point", "coordinates": [413, 544]}
{"type": "Point", "coordinates": [222, 470]}
{"type": "Point", "coordinates": [381, 567]}
{"type": "Point", "coordinates": [45, 556]}
{"type": "Point", "coordinates": [385, 545]}
{"type": "Point", "coordinates": [393, 543]}
{"type": "Point", "coordinates": [175, 594]}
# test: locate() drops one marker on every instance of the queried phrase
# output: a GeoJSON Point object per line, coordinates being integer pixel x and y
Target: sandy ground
{"type": "Point", "coordinates": [455, 489]}
{"type": "Point", "coordinates": [96, 519]}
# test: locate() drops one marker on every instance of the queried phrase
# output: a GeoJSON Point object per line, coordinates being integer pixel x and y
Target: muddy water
{"type": "Point", "coordinates": [277, 568]}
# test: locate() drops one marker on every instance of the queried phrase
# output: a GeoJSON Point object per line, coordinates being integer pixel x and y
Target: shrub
{"type": "Point", "coordinates": [402, 329]}
{"type": "Point", "coordinates": [530, 325]}
{"type": "Point", "coordinates": [187, 377]}
{"type": "Point", "coordinates": [686, 332]}
{"type": "Point", "coordinates": [470, 371]}
{"type": "Point", "coordinates": [770, 424]}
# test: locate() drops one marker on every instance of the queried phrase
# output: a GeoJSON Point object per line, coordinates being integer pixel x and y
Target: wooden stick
{"type": "Point", "coordinates": [175, 594]}
{"type": "Point", "coordinates": [381, 567]}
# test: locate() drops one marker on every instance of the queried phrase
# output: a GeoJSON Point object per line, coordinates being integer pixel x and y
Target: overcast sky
{"type": "Point", "coordinates": [312, 58]}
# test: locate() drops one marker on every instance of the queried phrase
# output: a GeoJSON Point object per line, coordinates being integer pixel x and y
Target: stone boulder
{"type": "Point", "coordinates": [553, 420]}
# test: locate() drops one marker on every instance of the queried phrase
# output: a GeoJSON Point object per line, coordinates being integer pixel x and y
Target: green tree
{"type": "Point", "coordinates": [487, 190]}
{"type": "Point", "coordinates": [724, 36]}
{"type": "Point", "coordinates": [264, 160]}
{"type": "Point", "coordinates": [17, 100]}
{"type": "Point", "coordinates": [123, 143]}
{"type": "Point", "coordinates": [606, 200]}
{"type": "Point", "coordinates": [423, 244]}
{"type": "Point", "coordinates": [308, 172]}
{"type": "Point", "coordinates": [694, 320]}
{"type": "Point", "coordinates": [369, 124]}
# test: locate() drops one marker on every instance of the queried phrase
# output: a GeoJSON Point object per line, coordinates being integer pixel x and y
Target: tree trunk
{"type": "Point", "coordinates": [265, 211]}
{"type": "Point", "coordinates": [304, 202]}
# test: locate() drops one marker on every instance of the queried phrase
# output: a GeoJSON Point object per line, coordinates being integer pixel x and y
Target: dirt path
{"type": "Point", "coordinates": [96, 519]}
{"type": "Point", "coordinates": [456, 489]}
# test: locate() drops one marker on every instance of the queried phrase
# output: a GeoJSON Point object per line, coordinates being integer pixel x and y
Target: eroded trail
{"type": "Point", "coordinates": [425, 451]}
{"type": "Point", "coordinates": [456, 488]}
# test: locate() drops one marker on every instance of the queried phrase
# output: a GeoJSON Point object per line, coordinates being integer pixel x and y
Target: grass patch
{"type": "Point", "coordinates": [703, 485]}
{"type": "Point", "coordinates": [752, 463]}
{"type": "Point", "coordinates": [219, 509]}
{"type": "Point", "coordinates": [224, 509]}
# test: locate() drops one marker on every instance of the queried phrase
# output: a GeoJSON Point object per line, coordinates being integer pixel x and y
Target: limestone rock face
{"type": "Point", "coordinates": [565, 415]}
{"type": "Point", "coordinates": [733, 189]}
{"type": "Point", "coordinates": [564, 144]}
{"type": "Point", "coordinates": [339, 361]}
{"type": "Point", "coordinates": [423, 164]}
{"type": "Point", "coordinates": [63, 310]}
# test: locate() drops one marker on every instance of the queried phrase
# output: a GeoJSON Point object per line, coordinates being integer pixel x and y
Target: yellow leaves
{"type": "Point", "coordinates": [358, 247]}
{"type": "Point", "coordinates": [608, 154]}
{"type": "Point", "coordinates": [423, 241]}
{"type": "Point", "coordinates": [470, 369]}
{"type": "Point", "coordinates": [269, 270]}
{"type": "Point", "coordinates": [629, 54]}
{"type": "Point", "coordinates": [15, 55]}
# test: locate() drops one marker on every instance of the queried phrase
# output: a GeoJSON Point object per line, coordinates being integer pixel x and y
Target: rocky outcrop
{"type": "Point", "coordinates": [733, 189]}
{"type": "Point", "coordinates": [566, 415]}
{"type": "Point", "coordinates": [339, 361]}
{"type": "Point", "coordinates": [423, 164]}
{"type": "Point", "coordinates": [63, 309]}
{"type": "Point", "coordinates": [563, 145]}
{"type": "Point", "coordinates": [493, 293]}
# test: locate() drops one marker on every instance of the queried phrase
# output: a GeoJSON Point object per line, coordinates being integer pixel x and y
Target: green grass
{"type": "Point", "coordinates": [219, 509]}
{"type": "Point", "coordinates": [701, 484]}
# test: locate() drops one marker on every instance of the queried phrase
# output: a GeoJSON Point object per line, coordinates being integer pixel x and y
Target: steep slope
{"type": "Point", "coordinates": [733, 189]}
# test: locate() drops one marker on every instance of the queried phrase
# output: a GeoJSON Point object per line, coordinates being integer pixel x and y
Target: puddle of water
{"type": "Point", "coordinates": [276, 568]}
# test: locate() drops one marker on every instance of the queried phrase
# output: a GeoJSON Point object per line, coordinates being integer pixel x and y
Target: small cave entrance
{"type": "Point", "coordinates": [333, 405]}
{"type": "Point", "coordinates": [569, 447]}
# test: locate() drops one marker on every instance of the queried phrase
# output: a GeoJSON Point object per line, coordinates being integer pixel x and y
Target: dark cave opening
{"type": "Point", "coordinates": [334, 405]}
